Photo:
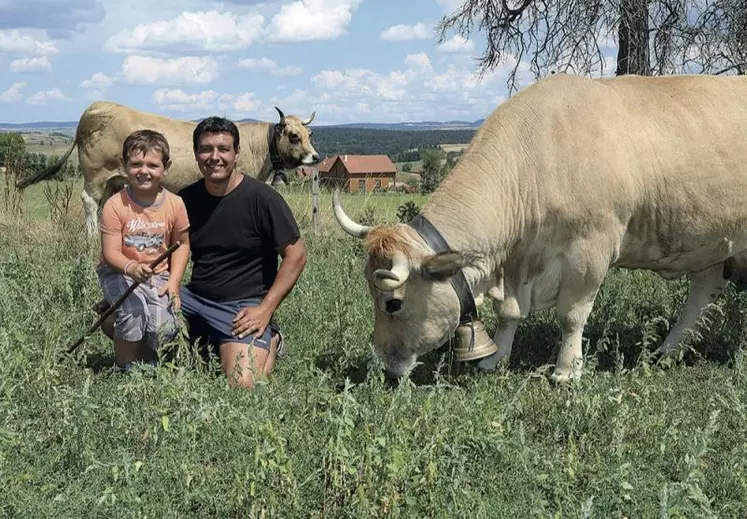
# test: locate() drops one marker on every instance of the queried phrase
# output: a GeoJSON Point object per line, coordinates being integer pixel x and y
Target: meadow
{"type": "Point", "coordinates": [327, 435]}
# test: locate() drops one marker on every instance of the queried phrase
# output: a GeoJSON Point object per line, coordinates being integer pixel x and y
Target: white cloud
{"type": "Point", "coordinates": [416, 92]}
{"type": "Point", "coordinates": [44, 96]}
{"type": "Point", "coordinates": [234, 106]}
{"type": "Point", "coordinates": [269, 65]}
{"type": "Point", "coordinates": [418, 61]}
{"type": "Point", "coordinates": [98, 81]}
{"type": "Point", "coordinates": [419, 31]}
{"type": "Point", "coordinates": [456, 43]}
{"type": "Point", "coordinates": [294, 103]}
{"type": "Point", "coordinates": [145, 70]}
{"type": "Point", "coordinates": [15, 41]}
{"type": "Point", "coordinates": [289, 70]}
{"type": "Point", "coordinates": [245, 103]}
{"type": "Point", "coordinates": [30, 64]}
{"type": "Point", "coordinates": [13, 94]}
{"type": "Point", "coordinates": [257, 63]}
{"type": "Point", "coordinates": [365, 82]}
{"type": "Point", "coordinates": [59, 19]}
{"type": "Point", "coordinates": [309, 20]}
{"type": "Point", "coordinates": [209, 31]}
{"type": "Point", "coordinates": [178, 100]}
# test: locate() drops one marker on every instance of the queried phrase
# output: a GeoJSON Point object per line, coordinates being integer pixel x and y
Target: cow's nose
{"type": "Point", "coordinates": [315, 157]}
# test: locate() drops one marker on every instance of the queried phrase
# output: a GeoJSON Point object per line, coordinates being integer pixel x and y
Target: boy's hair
{"type": "Point", "coordinates": [215, 125]}
{"type": "Point", "coordinates": [145, 141]}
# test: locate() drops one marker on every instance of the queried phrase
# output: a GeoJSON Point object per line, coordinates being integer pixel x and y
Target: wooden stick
{"type": "Point", "coordinates": [121, 299]}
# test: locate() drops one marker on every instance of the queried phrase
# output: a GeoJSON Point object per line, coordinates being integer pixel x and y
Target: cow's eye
{"type": "Point", "coordinates": [294, 138]}
{"type": "Point", "coordinates": [393, 305]}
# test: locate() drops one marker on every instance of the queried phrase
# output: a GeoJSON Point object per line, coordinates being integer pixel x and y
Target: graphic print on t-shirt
{"type": "Point", "coordinates": [145, 236]}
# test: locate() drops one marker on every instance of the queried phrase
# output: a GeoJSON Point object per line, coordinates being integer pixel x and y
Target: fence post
{"type": "Point", "coordinates": [315, 201]}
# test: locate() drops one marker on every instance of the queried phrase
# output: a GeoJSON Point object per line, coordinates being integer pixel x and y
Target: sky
{"type": "Point", "coordinates": [347, 60]}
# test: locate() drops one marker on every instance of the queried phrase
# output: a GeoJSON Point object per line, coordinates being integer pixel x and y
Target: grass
{"type": "Point", "coordinates": [327, 436]}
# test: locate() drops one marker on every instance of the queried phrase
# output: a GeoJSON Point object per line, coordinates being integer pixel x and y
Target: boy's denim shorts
{"type": "Point", "coordinates": [143, 314]}
{"type": "Point", "coordinates": [211, 322]}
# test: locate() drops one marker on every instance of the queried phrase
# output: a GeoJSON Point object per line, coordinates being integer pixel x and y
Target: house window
{"type": "Point", "coordinates": [362, 185]}
{"type": "Point", "coordinates": [378, 184]}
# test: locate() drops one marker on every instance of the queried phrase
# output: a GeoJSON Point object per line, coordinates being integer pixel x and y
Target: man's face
{"type": "Point", "coordinates": [216, 156]}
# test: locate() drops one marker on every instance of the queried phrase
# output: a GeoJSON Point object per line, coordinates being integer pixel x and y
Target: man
{"type": "Point", "coordinates": [238, 227]}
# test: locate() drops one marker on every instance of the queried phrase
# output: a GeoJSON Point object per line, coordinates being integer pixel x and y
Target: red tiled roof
{"type": "Point", "coordinates": [360, 163]}
{"type": "Point", "coordinates": [326, 164]}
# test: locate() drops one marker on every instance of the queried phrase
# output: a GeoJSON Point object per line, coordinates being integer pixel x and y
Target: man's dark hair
{"type": "Point", "coordinates": [215, 125]}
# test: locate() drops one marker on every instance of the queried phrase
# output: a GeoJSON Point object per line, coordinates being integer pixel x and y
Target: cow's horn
{"type": "Point", "coordinates": [282, 115]}
{"type": "Point", "coordinates": [395, 278]}
{"type": "Point", "coordinates": [308, 121]}
{"type": "Point", "coordinates": [354, 229]}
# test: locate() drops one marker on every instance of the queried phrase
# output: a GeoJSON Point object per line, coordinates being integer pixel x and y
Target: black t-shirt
{"type": "Point", "coordinates": [234, 238]}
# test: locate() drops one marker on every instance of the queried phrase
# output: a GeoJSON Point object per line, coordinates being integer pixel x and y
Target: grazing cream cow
{"type": "Point", "coordinates": [565, 180]}
{"type": "Point", "coordinates": [264, 147]}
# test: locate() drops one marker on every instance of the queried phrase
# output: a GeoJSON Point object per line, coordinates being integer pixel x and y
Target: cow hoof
{"type": "Point", "coordinates": [564, 378]}
{"type": "Point", "coordinates": [665, 350]}
{"type": "Point", "coordinates": [490, 362]}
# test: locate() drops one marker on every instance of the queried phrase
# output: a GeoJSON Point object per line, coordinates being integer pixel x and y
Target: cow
{"type": "Point", "coordinates": [568, 178]}
{"type": "Point", "coordinates": [264, 148]}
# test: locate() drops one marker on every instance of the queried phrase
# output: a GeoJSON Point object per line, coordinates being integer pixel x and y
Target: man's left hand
{"type": "Point", "coordinates": [251, 319]}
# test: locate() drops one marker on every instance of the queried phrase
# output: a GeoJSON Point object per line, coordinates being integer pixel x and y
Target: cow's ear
{"type": "Point", "coordinates": [442, 266]}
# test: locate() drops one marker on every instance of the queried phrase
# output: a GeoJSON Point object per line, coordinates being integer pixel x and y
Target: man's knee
{"type": "Point", "coordinates": [244, 363]}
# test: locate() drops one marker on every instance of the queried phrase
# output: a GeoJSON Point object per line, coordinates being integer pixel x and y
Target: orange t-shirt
{"type": "Point", "coordinates": [147, 231]}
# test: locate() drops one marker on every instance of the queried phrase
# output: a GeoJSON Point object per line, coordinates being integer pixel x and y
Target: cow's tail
{"type": "Point", "coordinates": [51, 170]}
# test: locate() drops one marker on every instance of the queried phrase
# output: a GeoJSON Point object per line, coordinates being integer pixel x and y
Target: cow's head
{"type": "Point", "coordinates": [293, 140]}
{"type": "Point", "coordinates": [416, 309]}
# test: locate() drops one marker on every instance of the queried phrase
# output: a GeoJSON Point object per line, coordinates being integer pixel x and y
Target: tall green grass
{"type": "Point", "coordinates": [327, 436]}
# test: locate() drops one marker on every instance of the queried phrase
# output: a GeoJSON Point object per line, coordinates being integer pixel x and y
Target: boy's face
{"type": "Point", "coordinates": [145, 171]}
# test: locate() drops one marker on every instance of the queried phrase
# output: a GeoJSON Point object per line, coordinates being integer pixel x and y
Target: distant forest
{"type": "Point", "coordinates": [395, 143]}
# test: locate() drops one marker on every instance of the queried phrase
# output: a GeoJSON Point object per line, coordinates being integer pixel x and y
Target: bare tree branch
{"type": "Point", "coordinates": [538, 37]}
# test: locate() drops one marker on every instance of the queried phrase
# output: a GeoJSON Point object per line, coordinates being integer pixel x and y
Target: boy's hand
{"type": "Point", "coordinates": [173, 292]}
{"type": "Point", "coordinates": [140, 272]}
{"type": "Point", "coordinates": [161, 267]}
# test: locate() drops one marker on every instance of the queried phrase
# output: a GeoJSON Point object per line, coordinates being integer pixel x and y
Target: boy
{"type": "Point", "coordinates": [137, 224]}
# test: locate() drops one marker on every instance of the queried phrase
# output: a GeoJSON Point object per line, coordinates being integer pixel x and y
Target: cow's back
{"type": "Point", "coordinates": [104, 126]}
{"type": "Point", "coordinates": [653, 167]}
{"type": "Point", "coordinates": [662, 157]}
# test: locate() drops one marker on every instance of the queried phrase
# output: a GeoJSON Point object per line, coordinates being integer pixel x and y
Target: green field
{"type": "Point", "coordinates": [327, 436]}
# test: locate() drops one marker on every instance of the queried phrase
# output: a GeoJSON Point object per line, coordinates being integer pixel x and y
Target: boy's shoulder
{"type": "Point", "coordinates": [171, 196]}
{"type": "Point", "coordinates": [118, 199]}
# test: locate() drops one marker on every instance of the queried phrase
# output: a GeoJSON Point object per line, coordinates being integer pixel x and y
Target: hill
{"type": "Point", "coordinates": [393, 139]}
{"type": "Point", "coordinates": [406, 126]}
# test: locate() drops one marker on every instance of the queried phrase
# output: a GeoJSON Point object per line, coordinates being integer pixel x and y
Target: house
{"type": "Point", "coordinates": [364, 173]}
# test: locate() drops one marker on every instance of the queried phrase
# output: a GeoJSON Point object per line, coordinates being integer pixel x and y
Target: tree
{"type": "Point", "coordinates": [12, 147]}
{"type": "Point", "coordinates": [431, 168]}
{"type": "Point", "coordinates": [654, 37]}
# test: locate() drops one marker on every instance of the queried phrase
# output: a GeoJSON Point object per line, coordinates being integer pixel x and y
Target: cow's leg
{"type": "Point", "coordinates": [504, 339]}
{"type": "Point", "coordinates": [705, 287]}
{"type": "Point", "coordinates": [510, 311]}
{"type": "Point", "coordinates": [578, 288]}
{"type": "Point", "coordinates": [91, 209]}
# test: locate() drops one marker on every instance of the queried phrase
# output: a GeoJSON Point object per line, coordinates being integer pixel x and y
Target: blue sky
{"type": "Point", "coordinates": [348, 60]}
